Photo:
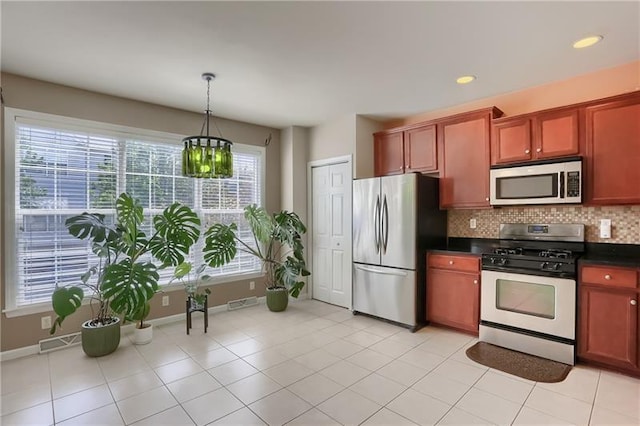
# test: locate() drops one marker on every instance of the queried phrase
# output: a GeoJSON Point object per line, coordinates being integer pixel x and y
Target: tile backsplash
{"type": "Point", "coordinates": [625, 221]}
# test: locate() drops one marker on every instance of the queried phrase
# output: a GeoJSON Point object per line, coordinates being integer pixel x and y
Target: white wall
{"type": "Point", "coordinates": [348, 135]}
{"type": "Point", "coordinates": [286, 171]}
{"type": "Point", "coordinates": [294, 152]}
{"type": "Point", "coordinates": [365, 128]}
{"type": "Point", "coordinates": [334, 138]}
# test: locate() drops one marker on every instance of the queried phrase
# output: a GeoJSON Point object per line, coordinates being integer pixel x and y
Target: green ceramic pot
{"type": "Point", "coordinates": [100, 340]}
{"type": "Point", "coordinates": [277, 299]}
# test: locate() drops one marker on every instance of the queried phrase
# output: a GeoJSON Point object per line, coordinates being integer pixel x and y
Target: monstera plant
{"type": "Point", "coordinates": [278, 244]}
{"type": "Point", "coordinates": [125, 276]}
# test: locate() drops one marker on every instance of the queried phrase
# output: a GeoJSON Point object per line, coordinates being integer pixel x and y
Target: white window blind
{"type": "Point", "coordinates": [60, 173]}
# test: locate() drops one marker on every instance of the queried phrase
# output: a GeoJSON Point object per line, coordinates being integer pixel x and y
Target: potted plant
{"type": "Point", "coordinates": [143, 332]}
{"type": "Point", "coordinates": [125, 277]}
{"type": "Point", "coordinates": [191, 279]}
{"type": "Point", "coordinates": [272, 234]}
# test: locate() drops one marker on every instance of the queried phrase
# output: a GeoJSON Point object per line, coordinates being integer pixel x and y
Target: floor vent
{"type": "Point", "coordinates": [54, 343]}
{"type": "Point", "coordinates": [242, 303]}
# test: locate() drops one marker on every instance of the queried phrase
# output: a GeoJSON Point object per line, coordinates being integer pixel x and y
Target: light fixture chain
{"type": "Point", "coordinates": [208, 112]}
{"type": "Point", "coordinates": [208, 92]}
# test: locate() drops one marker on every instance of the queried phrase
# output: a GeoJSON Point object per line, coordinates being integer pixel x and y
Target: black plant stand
{"type": "Point", "coordinates": [192, 306]}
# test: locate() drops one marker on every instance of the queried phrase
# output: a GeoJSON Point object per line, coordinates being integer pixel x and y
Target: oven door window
{"type": "Point", "coordinates": [522, 187]}
{"type": "Point", "coordinates": [526, 298]}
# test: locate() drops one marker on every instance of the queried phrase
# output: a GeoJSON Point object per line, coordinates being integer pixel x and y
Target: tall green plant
{"type": "Point", "coordinates": [278, 244]}
{"type": "Point", "coordinates": [125, 277]}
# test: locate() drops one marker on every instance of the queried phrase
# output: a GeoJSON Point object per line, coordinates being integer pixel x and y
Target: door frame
{"type": "Point", "coordinates": [348, 159]}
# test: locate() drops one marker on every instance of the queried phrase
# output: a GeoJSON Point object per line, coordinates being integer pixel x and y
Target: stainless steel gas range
{"type": "Point", "coordinates": [528, 295]}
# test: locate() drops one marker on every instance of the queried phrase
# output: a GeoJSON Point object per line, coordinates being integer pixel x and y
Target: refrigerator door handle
{"type": "Point", "coordinates": [379, 271]}
{"type": "Point", "coordinates": [376, 224]}
{"type": "Point", "coordinates": [385, 223]}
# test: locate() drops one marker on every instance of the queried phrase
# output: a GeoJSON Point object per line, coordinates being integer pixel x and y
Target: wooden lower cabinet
{"type": "Point", "coordinates": [608, 327]}
{"type": "Point", "coordinates": [453, 291]}
{"type": "Point", "coordinates": [608, 332]}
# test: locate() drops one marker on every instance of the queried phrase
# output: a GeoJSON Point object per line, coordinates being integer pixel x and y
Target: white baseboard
{"type": "Point", "coordinates": [20, 352]}
{"type": "Point", "coordinates": [124, 330]}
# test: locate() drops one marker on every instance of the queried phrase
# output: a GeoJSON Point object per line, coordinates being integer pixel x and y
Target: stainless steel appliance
{"type": "Point", "coordinates": [544, 182]}
{"type": "Point", "coordinates": [528, 294]}
{"type": "Point", "coordinates": [395, 220]}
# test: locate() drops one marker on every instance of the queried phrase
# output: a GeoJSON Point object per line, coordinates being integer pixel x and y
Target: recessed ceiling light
{"type": "Point", "coordinates": [465, 79]}
{"type": "Point", "coordinates": [587, 41]}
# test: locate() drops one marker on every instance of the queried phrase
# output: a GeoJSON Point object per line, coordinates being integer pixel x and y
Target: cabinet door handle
{"type": "Point", "coordinates": [451, 262]}
{"type": "Point", "coordinates": [607, 277]}
{"type": "Point", "coordinates": [475, 281]}
{"type": "Point", "coordinates": [526, 151]}
{"type": "Point", "coordinates": [486, 199]}
{"type": "Point", "coordinates": [633, 302]}
{"type": "Point", "coordinates": [539, 150]}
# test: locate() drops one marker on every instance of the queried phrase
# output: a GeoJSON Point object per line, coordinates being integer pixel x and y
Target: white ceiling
{"type": "Point", "coordinates": [303, 63]}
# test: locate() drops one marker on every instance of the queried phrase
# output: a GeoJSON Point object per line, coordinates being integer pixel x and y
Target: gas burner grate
{"type": "Point", "coordinates": [556, 253]}
{"type": "Point", "coordinates": [505, 251]}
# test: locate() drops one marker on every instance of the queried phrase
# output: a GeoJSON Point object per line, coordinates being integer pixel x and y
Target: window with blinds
{"type": "Point", "coordinates": [61, 173]}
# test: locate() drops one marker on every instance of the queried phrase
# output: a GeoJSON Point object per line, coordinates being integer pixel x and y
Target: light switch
{"type": "Point", "coordinates": [605, 228]}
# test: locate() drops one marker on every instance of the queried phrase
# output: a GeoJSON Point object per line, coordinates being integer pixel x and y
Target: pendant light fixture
{"type": "Point", "coordinates": [207, 156]}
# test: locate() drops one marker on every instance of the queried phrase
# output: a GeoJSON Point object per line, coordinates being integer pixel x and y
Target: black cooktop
{"type": "Point", "coordinates": [550, 261]}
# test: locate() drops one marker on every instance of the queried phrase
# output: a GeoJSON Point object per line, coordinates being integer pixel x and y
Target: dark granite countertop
{"type": "Point", "coordinates": [612, 254]}
{"type": "Point", "coordinates": [471, 245]}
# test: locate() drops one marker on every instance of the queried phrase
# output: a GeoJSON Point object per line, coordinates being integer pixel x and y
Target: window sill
{"type": "Point", "coordinates": [38, 308]}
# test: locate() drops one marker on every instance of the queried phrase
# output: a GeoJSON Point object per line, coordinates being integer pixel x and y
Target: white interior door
{"type": "Point", "coordinates": [331, 234]}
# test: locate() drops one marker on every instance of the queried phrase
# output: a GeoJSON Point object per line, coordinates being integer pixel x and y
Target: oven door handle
{"type": "Point", "coordinates": [562, 185]}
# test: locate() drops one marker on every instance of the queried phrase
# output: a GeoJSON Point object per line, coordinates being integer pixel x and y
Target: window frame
{"type": "Point", "coordinates": [11, 116]}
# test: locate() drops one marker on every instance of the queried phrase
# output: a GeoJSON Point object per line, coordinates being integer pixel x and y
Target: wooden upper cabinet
{"type": "Point", "coordinates": [511, 141]}
{"type": "Point", "coordinates": [547, 134]}
{"type": "Point", "coordinates": [411, 150]}
{"type": "Point", "coordinates": [420, 149]}
{"type": "Point", "coordinates": [464, 142]}
{"type": "Point", "coordinates": [388, 153]}
{"type": "Point", "coordinates": [613, 151]}
{"type": "Point", "coordinates": [556, 133]}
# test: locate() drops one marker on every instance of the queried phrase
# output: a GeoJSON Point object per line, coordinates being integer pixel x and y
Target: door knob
{"type": "Point", "coordinates": [633, 302]}
{"type": "Point", "coordinates": [607, 277]}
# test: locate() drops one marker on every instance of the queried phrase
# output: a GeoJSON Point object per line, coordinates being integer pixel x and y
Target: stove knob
{"type": "Point", "coordinates": [493, 260]}
{"type": "Point", "coordinates": [503, 262]}
{"type": "Point", "coordinates": [544, 265]}
{"type": "Point", "coordinates": [557, 266]}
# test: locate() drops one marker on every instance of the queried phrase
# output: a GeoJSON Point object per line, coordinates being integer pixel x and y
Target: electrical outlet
{"type": "Point", "coordinates": [45, 322]}
{"type": "Point", "coordinates": [473, 223]}
{"type": "Point", "coordinates": [605, 228]}
{"type": "Point", "coordinates": [252, 285]}
{"type": "Point", "coordinates": [165, 300]}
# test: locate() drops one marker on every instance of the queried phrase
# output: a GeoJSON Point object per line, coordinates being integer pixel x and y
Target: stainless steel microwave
{"type": "Point", "coordinates": [547, 182]}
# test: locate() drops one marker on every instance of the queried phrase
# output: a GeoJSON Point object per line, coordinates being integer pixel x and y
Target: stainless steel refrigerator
{"type": "Point", "coordinates": [395, 220]}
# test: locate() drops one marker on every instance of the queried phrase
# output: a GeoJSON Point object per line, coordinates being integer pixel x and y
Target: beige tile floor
{"type": "Point", "coordinates": [312, 364]}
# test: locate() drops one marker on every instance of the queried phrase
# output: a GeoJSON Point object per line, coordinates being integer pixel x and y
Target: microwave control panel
{"type": "Point", "coordinates": [573, 184]}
